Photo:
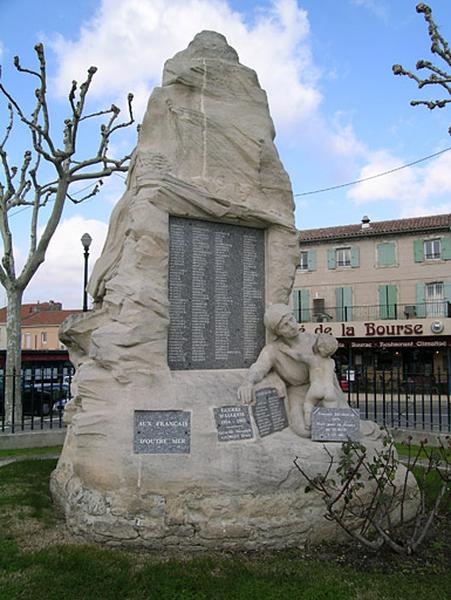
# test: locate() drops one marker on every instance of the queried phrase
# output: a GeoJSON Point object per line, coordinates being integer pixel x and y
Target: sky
{"type": "Point", "coordinates": [339, 112]}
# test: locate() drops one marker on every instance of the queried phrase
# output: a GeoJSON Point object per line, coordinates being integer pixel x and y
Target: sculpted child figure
{"type": "Point", "coordinates": [299, 359]}
{"type": "Point", "coordinates": [322, 376]}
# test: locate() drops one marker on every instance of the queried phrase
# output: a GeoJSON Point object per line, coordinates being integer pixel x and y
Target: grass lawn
{"type": "Point", "coordinates": [40, 560]}
{"type": "Point", "coordinates": [13, 452]}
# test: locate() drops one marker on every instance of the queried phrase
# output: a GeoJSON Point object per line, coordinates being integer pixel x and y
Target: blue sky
{"type": "Point", "coordinates": [340, 113]}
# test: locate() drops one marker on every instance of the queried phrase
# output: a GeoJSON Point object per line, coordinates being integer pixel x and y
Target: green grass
{"type": "Point", "coordinates": [6, 453]}
{"type": "Point", "coordinates": [57, 571]}
{"type": "Point", "coordinates": [403, 451]}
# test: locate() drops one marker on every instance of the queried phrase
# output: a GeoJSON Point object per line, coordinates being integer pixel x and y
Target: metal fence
{"type": "Point", "coordinates": [392, 397]}
{"type": "Point", "coordinates": [439, 309]}
{"type": "Point", "coordinates": [45, 390]}
{"type": "Point", "coordinates": [401, 399]}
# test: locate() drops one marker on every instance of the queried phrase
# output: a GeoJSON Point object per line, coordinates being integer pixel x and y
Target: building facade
{"type": "Point", "coordinates": [383, 289]}
{"type": "Point", "coordinates": [40, 325]}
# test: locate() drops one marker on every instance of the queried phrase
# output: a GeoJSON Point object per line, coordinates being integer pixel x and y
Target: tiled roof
{"type": "Point", "coordinates": [434, 222]}
{"type": "Point", "coordinates": [41, 313]}
{"type": "Point", "coordinates": [48, 317]}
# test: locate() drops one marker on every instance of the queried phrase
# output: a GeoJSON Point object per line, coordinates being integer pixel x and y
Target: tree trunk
{"type": "Point", "coordinates": [13, 357]}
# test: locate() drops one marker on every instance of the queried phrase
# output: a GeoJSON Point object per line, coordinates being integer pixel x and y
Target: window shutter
{"type": "Point", "coordinates": [305, 306]}
{"type": "Point", "coordinates": [355, 256]}
{"type": "Point", "coordinates": [343, 299]}
{"type": "Point", "coordinates": [386, 254]}
{"type": "Point", "coordinates": [418, 251]}
{"type": "Point", "coordinates": [296, 303]}
{"type": "Point", "coordinates": [421, 308]}
{"type": "Point", "coordinates": [311, 260]}
{"type": "Point", "coordinates": [331, 264]}
{"type": "Point", "coordinates": [447, 296]}
{"type": "Point", "coordinates": [383, 310]}
{"type": "Point", "coordinates": [446, 247]}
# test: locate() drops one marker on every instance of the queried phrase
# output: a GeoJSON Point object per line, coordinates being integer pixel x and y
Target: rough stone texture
{"type": "Point", "coordinates": [205, 151]}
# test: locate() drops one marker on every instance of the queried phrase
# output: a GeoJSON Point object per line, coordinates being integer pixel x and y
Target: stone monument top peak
{"type": "Point", "coordinates": [208, 44]}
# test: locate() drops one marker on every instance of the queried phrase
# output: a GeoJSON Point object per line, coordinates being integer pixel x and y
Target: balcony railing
{"type": "Point", "coordinates": [376, 312]}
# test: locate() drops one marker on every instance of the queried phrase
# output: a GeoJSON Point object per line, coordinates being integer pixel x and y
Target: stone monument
{"type": "Point", "coordinates": [166, 446]}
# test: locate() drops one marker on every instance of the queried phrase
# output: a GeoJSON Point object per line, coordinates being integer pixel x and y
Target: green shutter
{"type": "Point", "coordinates": [388, 296]}
{"type": "Point", "coordinates": [355, 256]}
{"type": "Point", "coordinates": [311, 260]}
{"type": "Point", "coordinates": [447, 296]}
{"type": "Point", "coordinates": [305, 306]}
{"type": "Point", "coordinates": [418, 250]}
{"type": "Point", "coordinates": [331, 263]}
{"type": "Point", "coordinates": [421, 308]}
{"type": "Point", "coordinates": [343, 302]}
{"type": "Point", "coordinates": [296, 303]}
{"type": "Point", "coordinates": [386, 256]}
{"type": "Point", "coordinates": [446, 247]}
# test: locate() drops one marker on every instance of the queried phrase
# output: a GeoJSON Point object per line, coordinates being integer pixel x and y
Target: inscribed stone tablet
{"type": "Point", "coordinates": [162, 432]}
{"type": "Point", "coordinates": [216, 294]}
{"type": "Point", "coordinates": [269, 411]}
{"type": "Point", "coordinates": [335, 424]}
{"type": "Point", "coordinates": [233, 423]}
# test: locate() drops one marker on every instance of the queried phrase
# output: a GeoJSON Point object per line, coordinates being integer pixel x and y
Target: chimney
{"type": "Point", "coordinates": [365, 222]}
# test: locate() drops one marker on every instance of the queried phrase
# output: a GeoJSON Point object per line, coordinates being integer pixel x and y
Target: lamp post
{"type": "Point", "coordinates": [86, 240]}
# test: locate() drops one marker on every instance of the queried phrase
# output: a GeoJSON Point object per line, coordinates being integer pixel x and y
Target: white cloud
{"type": "Point", "coordinates": [417, 190]}
{"type": "Point", "coordinates": [60, 278]}
{"type": "Point", "coordinates": [129, 40]}
{"type": "Point", "coordinates": [377, 7]}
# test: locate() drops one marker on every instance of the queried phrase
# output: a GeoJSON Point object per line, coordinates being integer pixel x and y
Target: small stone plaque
{"type": "Point", "coordinates": [233, 423]}
{"type": "Point", "coordinates": [269, 411]}
{"type": "Point", "coordinates": [162, 432]}
{"type": "Point", "coordinates": [335, 424]}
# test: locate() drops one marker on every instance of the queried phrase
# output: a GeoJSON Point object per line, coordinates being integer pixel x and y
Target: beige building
{"type": "Point", "coordinates": [384, 290]}
{"type": "Point", "coordinates": [40, 324]}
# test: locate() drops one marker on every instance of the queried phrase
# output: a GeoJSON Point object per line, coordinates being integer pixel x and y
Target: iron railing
{"type": "Point", "coordinates": [399, 398]}
{"type": "Point", "coordinates": [45, 390]}
{"type": "Point", "coordinates": [374, 312]}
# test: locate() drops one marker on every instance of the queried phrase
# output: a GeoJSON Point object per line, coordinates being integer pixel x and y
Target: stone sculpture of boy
{"type": "Point", "coordinates": [322, 377]}
{"type": "Point", "coordinates": [292, 357]}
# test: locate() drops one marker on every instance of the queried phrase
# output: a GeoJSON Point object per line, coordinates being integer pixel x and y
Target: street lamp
{"type": "Point", "coordinates": [86, 240]}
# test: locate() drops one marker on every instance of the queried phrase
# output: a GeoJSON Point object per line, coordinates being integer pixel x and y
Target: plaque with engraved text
{"type": "Point", "coordinates": [216, 295]}
{"type": "Point", "coordinates": [162, 432]}
{"type": "Point", "coordinates": [233, 423]}
{"type": "Point", "coordinates": [335, 424]}
{"type": "Point", "coordinates": [269, 411]}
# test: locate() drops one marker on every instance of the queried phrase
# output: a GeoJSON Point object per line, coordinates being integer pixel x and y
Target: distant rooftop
{"type": "Point", "coordinates": [41, 313]}
{"type": "Point", "coordinates": [377, 228]}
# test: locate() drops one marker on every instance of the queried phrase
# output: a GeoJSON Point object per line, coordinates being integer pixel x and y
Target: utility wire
{"type": "Point", "coordinates": [342, 185]}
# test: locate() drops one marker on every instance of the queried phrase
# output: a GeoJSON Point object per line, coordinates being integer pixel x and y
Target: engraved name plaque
{"type": "Point", "coordinates": [233, 423]}
{"type": "Point", "coordinates": [216, 295]}
{"type": "Point", "coordinates": [162, 432]}
{"type": "Point", "coordinates": [269, 411]}
{"type": "Point", "coordinates": [335, 424]}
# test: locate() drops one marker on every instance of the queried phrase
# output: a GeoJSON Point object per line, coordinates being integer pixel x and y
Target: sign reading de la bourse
{"type": "Point", "coordinates": [216, 294]}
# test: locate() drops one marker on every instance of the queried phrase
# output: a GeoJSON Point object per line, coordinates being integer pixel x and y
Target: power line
{"type": "Point", "coordinates": [342, 185]}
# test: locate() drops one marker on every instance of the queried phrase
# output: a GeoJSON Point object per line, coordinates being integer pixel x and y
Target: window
{"type": "Point", "coordinates": [434, 299]}
{"type": "Point", "coordinates": [343, 257]}
{"type": "Point", "coordinates": [303, 260]}
{"type": "Point", "coordinates": [44, 337]}
{"type": "Point", "coordinates": [388, 308]}
{"type": "Point", "coordinates": [307, 260]}
{"type": "Point", "coordinates": [432, 249]}
{"type": "Point", "coordinates": [301, 305]}
{"type": "Point", "coordinates": [343, 299]}
{"type": "Point", "coordinates": [386, 254]}
{"type": "Point", "coordinates": [27, 341]}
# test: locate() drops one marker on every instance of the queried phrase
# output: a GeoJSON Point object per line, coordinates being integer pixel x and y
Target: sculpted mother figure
{"type": "Point", "coordinates": [293, 357]}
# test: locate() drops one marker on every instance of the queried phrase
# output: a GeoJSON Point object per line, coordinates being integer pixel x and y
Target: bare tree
{"type": "Point", "coordinates": [22, 186]}
{"type": "Point", "coordinates": [438, 76]}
